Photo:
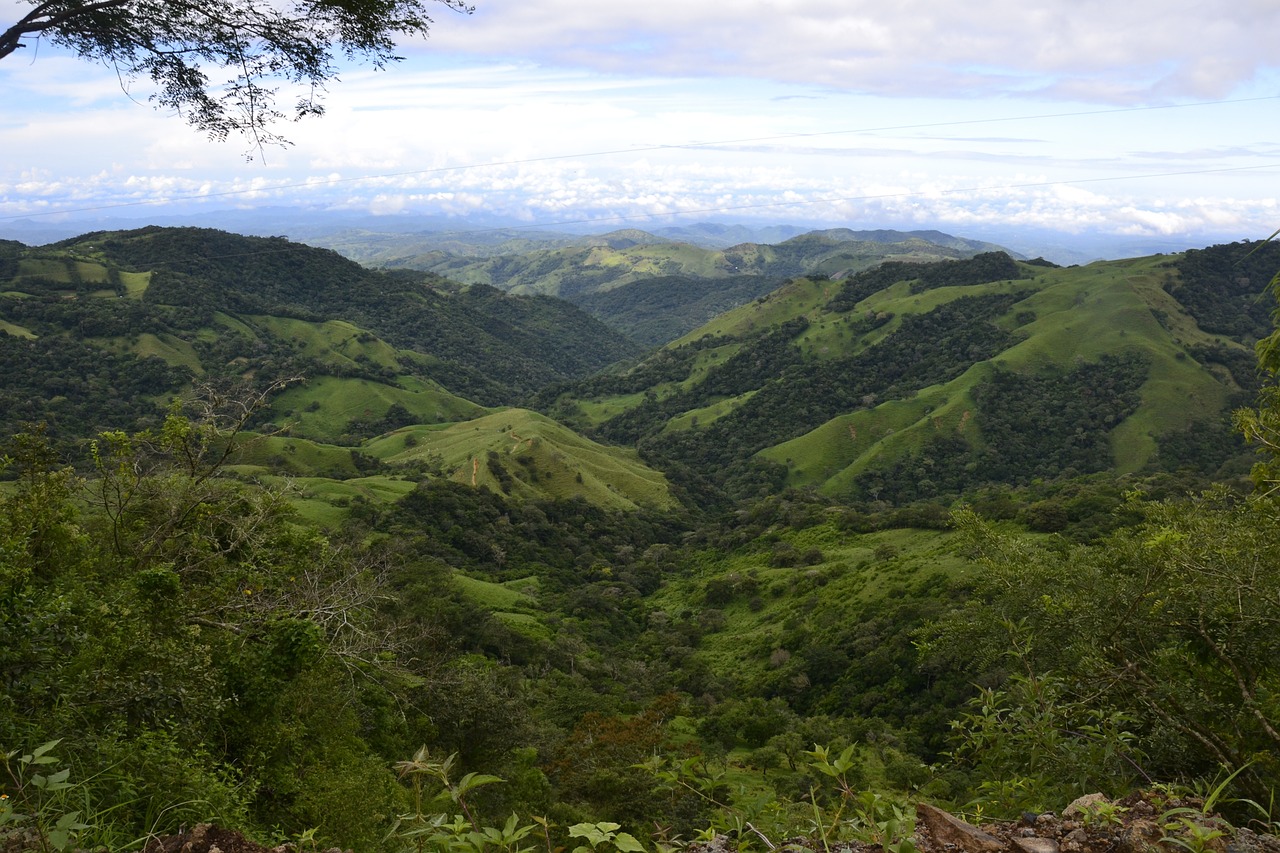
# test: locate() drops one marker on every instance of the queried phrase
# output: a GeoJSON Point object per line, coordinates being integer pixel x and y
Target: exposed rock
{"type": "Point", "coordinates": [948, 829]}
{"type": "Point", "coordinates": [1036, 845]}
{"type": "Point", "coordinates": [1083, 805]}
{"type": "Point", "coordinates": [1138, 836]}
{"type": "Point", "coordinates": [1248, 841]}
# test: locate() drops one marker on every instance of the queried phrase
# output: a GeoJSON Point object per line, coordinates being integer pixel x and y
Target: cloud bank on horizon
{"type": "Point", "coordinates": [1141, 118]}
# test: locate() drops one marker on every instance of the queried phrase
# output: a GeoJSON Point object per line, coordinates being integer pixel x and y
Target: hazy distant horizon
{"type": "Point", "coordinates": [309, 226]}
{"type": "Point", "coordinates": [1144, 121]}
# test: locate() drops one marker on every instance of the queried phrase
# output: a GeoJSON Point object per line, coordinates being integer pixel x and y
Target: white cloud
{"type": "Point", "coordinates": [546, 111]}
{"type": "Point", "coordinates": [1125, 52]}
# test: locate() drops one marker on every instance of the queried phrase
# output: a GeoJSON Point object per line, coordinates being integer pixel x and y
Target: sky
{"type": "Point", "coordinates": [1156, 121]}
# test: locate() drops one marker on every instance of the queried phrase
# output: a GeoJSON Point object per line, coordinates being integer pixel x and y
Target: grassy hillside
{"type": "Point", "coordinates": [522, 454]}
{"type": "Point", "coordinates": [913, 380]}
{"type": "Point", "coordinates": [484, 345]}
{"type": "Point", "coordinates": [103, 331]}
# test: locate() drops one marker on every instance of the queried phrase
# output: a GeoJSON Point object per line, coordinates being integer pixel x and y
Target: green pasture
{"type": "Point", "coordinates": [323, 407]}
{"type": "Point", "coordinates": [540, 458]}
{"type": "Point", "coordinates": [16, 330]}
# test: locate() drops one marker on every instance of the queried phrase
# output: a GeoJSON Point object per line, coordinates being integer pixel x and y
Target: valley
{"type": "Point", "coordinates": [667, 535]}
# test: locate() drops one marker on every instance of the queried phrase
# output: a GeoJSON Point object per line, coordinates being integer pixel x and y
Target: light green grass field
{"type": "Point", "coordinates": [326, 502]}
{"type": "Point", "coordinates": [507, 602]}
{"type": "Point", "coordinates": [323, 407]}
{"type": "Point", "coordinates": [92, 273]}
{"type": "Point", "coordinates": [172, 350]}
{"type": "Point", "coordinates": [335, 342]}
{"type": "Point", "coordinates": [543, 458]}
{"type": "Point", "coordinates": [16, 330]}
{"type": "Point", "coordinates": [54, 269]}
{"type": "Point", "coordinates": [135, 283]}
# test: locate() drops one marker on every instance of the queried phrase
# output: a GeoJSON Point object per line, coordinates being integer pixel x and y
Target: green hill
{"type": "Point", "coordinates": [613, 260]}
{"type": "Point", "coordinates": [522, 454]}
{"type": "Point", "coordinates": [485, 345]}
{"type": "Point", "coordinates": [101, 332]}
{"type": "Point", "coordinates": [913, 380]}
{"type": "Point", "coordinates": [89, 319]}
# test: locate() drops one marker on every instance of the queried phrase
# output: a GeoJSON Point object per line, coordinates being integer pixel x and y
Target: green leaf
{"type": "Point", "coordinates": [472, 781]}
{"type": "Point", "coordinates": [43, 748]}
{"type": "Point", "coordinates": [627, 843]}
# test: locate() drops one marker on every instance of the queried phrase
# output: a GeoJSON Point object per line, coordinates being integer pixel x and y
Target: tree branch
{"type": "Point", "coordinates": [30, 23]}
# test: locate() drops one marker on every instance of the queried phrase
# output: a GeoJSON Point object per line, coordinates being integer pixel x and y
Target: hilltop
{"type": "Point", "coordinates": [652, 288]}
{"type": "Point", "coordinates": [912, 380]}
{"type": "Point", "coordinates": [104, 329]}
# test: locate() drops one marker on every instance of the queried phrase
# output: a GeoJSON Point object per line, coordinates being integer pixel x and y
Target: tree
{"type": "Point", "coordinates": [259, 44]}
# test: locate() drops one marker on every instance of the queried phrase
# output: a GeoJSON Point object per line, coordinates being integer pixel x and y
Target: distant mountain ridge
{"type": "Point", "coordinates": [571, 267]}
{"type": "Point", "coordinates": [910, 379]}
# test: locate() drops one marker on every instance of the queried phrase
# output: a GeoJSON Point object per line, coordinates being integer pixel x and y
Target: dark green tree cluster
{"type": "Point", "coordinates": [980, 269]}
{"type": "Point", "coordinates": [1220, 287]}
{"type": "Point", "coordinates": [1036, 426]}
{"type": "Point", "coordinates": [76, 389]}
{"type": "Point", "coordinates": [656, 310]}
{"type": "Point", "coordinates": [804, 393]}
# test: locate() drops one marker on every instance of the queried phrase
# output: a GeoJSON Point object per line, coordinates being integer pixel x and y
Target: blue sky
{"type": "Point", "coordinates": [1141, 118]}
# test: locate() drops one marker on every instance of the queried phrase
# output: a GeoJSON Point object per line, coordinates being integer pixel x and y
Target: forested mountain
{"type": "Point", "coordinates": [190, 296]}
{"type": "Point", "coordinates": [594, 264]}
{"type": "Point", "coordinates": [771, 583]}
{"type": "Point", "coordinates": [912, 380]}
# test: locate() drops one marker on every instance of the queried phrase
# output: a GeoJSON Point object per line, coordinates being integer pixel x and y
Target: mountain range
{"type": "Point", "coordinates": [889, 375]}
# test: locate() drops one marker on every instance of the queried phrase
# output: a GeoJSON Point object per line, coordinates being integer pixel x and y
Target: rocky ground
{"type": "Point", "coordinates": [1144, 822]}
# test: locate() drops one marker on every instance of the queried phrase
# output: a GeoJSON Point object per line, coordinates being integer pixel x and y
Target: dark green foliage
{"type": "Point", "coordinates": [989, 266]}
{"type": "Point", "coordinates": [1205, 446]}
{"type": "Point", "coordinates": [768, 356]}
{"type": "Point", "coordinates": [656, 310]}
{"type": "Point", "coordinates": [1222, 287]}
{"type": "Point", "coordinates": [1033, 426]}
{"type": "Point", "coordinates": [593, 566]}
{"type": "Point", "coordinates": [77, 389]}
{"type": "Point", "coordinates": [187, 643]}
{"type": "Point", "coordinates": [1167, 628]}
{"type": "Point", "coordinates": [1241, 365]}
{"type": "Point", "coordinates": [492, 347]}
